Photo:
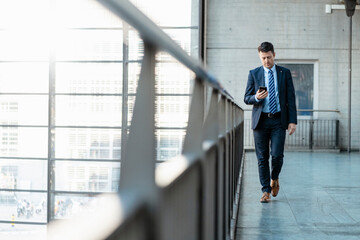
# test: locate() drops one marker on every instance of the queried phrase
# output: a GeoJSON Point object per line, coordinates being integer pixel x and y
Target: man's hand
{"type": "Point", "coordinates": [291, 128]}
{"type": "Point", "coordinates": [261, 94]}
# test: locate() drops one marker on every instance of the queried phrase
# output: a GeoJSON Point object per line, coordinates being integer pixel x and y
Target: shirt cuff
{"type": "Point", "coordinates": [257, 100]}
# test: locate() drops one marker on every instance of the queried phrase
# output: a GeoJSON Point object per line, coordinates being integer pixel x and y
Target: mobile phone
{"type": "Point", "coordinates": [262, 88]}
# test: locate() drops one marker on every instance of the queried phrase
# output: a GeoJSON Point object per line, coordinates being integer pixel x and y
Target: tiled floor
{"type": "Point", "coordinates": [319, 198]}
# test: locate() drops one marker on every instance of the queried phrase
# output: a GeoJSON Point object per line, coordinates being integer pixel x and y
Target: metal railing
{"type": "Point", "coordinates": [193, 196]}
{"type": "Point", "coordinates": [310, 133]}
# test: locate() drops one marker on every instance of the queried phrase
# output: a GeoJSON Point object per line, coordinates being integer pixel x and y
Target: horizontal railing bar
{"type": "Point", "coordinates": [156, 37]}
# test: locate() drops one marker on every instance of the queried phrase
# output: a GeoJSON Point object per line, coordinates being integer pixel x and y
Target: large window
{"type": "Point", "coordinates": [303, 79]}
{"type": "Point", "coordinates": [68, 77]}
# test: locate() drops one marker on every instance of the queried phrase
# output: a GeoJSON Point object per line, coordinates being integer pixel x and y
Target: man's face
{"type": "Point", "coordinates": [267, 59]}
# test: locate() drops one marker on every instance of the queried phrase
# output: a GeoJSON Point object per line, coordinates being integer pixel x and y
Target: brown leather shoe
{"type": "Point", "coordinates": [265, 197]}
{"type": "Point", "coordinates": [275, 186]}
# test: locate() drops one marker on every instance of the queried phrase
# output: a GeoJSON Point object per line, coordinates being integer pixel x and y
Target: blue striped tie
{"type": "Point", "coordinates": [272, 100]}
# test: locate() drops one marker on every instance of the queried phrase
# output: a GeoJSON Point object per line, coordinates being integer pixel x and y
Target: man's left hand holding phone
{"type": "Point", "coordinates": [261, 93]}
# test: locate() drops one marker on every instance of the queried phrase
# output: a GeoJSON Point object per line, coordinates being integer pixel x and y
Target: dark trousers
{"type": "Point", "coordinates": [269, 138]}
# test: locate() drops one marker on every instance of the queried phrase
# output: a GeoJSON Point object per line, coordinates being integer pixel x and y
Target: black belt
{"type": "Point", "coordinates": [271, 115]}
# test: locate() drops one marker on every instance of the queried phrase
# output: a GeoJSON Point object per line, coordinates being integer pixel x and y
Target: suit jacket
{"type": "Point", "coordinates": [286, 95]}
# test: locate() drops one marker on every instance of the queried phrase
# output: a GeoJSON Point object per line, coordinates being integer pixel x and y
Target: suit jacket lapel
{"type": "Point", "coordinates": [260, 76]}
{"type": "Point", "coordinates": [280, 77]}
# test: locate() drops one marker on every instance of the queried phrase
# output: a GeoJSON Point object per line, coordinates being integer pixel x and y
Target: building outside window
{"type": "Point", "coordinates": [67, 85]}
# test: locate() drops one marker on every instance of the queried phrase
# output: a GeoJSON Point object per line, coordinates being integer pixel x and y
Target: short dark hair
{"type": "Point", "coordinates": [266, 47]}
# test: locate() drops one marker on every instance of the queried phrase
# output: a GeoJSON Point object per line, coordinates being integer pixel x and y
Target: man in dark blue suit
{"type": "Point", "coordinates": [274, 112]}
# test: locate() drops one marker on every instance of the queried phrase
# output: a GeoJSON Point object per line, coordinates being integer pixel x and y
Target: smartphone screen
{"type": "Point", "coordinates": [262, 88]}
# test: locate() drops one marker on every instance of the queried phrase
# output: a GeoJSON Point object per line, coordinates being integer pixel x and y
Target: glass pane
{"type": "Point", "coordinates": [172, 111]}
{"type": "Point", "coordinates": [31, 14]}
{"type": "Point", "coordinates": [186, 38]}
{"type": "Point", "coordinates": [177, 13]}
{"type": "Point", "coordinates": [183, 38]}
{"type": "Point", "coordinates": [23, 206]}
{"type": "Point", "coordinates": [303, 78]}
{"type": "Point", "coordinates": [87, 176]}
{"type": "Point", "coordinates": [14, 48]}
{"type": "Point", "coordinates": [136, 45]}
{"type": "Point", "coordinates": [88, 143]}
{"type": "Point", "coordinates": [15, 174]}
{"type": "Point", "coordinates": [173, 78]}
{"type": "Point", "coordinates": [22, 231]}
{"type": "Point", "coordinates": [23, 142]}
{"type": "Point", "coordinates": [131, 102]}
{"type": "Point", "coordinates": [169, 143]}
{"type": "Point", "coordinates": [25, 31]}
{"type": "Point", "coordinates": [134, 75]}
{"type": "Point", "coordinates": [67, 205]}
{"type": "Point", "coordinates": [89, 78]}
{"type": "Point", "coordinates": [24, 77]}
{"type": "Point", "coordinates": [24, 110]}
{"type": "Point", "coordinates": [89, 45]}
{"type": "Point", "coordinates": [92, 15]}
{"type": "Point", "coordinates": [88, 110]}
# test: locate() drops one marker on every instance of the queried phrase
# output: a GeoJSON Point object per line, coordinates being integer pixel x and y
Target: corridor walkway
{"type": "Point", "coordinates": [319, 199]}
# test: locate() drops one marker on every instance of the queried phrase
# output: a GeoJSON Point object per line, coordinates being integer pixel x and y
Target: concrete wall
{"type": "Point", "coordinates": [300, 31]}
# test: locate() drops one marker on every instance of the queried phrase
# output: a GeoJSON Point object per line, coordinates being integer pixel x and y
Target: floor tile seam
{"type": "Point", "coordinates": [343, 209]}
{"type": "Point", "coordinates": [292, 210]}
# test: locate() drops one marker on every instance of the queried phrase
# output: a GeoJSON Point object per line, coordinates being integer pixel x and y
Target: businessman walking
{"type": "Point", "coordinates": [274, 112]}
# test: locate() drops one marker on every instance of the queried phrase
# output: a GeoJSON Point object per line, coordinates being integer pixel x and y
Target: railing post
{"type": "Point", "coordinates": [337, 134]}
{"type": "Point", "coordinates": [211, 217]}
{"type": "Point", "coordinates": [193, 147]}
{"type": "Point", "coordinates": [137, 162]}
{"type": "Point", "coordinates": [193, 138]}
{"type": "Point", "coordinates": [311, 133]}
